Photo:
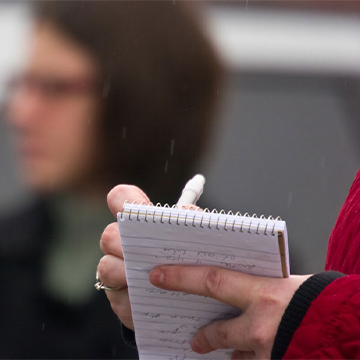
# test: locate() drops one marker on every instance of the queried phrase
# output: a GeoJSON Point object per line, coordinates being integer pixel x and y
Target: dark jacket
{"type": "Point", "coordinates": [33, 325]}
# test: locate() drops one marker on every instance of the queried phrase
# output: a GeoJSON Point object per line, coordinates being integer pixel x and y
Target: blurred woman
{"type": "Point", "coordinates": [111, 92]}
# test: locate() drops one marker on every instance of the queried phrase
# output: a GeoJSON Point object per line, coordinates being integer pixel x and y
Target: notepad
{"type": "Point", "coordinates": [165, 321]}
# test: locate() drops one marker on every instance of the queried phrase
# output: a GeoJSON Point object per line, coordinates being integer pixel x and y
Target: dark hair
{"type": "Point", "coordinates": [160, 76]}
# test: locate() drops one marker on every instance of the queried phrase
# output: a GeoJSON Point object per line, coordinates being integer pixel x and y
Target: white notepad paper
{"type": "Point", "coordinates": [165, 321]}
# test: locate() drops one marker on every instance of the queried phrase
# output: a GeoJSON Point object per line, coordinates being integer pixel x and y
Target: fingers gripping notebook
{"type": "Point", "coordinates": [165, 321]}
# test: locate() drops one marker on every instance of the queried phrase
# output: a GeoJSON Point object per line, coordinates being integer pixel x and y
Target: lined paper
{"type": "Point", "coordinates": [165, 321]}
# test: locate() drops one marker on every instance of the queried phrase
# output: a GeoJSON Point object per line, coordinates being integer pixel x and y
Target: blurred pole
{"type": "Point", "coordinates": [14, 29]}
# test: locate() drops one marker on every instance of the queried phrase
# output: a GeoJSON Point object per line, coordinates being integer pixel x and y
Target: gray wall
{"type": "Point", "coordinates": [286, 146]}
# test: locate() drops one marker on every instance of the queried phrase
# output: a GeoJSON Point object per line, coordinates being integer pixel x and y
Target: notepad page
{"type": "Point", "coordinates": [165, 321]}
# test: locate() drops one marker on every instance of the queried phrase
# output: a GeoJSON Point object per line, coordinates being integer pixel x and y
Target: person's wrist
{"type": "Point", "coordinates": [307, 292]}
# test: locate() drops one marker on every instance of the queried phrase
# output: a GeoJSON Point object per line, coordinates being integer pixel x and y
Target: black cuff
{"type": "Point", "coordinates": [128, 336]}
{"type": "Point", "coordinates": [298, 306]}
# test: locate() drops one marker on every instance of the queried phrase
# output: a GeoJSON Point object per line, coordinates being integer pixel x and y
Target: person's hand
{"type": "Point", "coordinates": [262, 300]}
{"type": "Point", "coordinates": [111, 268]}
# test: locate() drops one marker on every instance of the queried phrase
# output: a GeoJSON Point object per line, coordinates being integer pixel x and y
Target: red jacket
{"type": "Point", "coordinates": [323, 319]}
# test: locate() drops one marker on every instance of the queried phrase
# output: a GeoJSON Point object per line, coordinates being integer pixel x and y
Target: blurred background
{"type": "Point", "coordinates": [286, 139]}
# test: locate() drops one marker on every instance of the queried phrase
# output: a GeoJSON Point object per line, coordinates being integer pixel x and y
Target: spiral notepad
{"type": "Point", "coordinates": [165, 321]}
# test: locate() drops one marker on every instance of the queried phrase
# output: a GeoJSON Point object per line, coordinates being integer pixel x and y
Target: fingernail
{"type": "Point", "coordinates": [156, 277]}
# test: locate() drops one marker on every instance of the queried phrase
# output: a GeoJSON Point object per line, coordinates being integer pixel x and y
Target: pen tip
{"type": "Point", "coordinates": [199, 178]}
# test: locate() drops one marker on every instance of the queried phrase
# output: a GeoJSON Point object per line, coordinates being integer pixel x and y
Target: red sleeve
{"type": "Point", "coordinates": [331, 326]}
{"type": "Point", "coordinates": [322, 320]}
{"type": "Point", "coordinates": [344, 243]}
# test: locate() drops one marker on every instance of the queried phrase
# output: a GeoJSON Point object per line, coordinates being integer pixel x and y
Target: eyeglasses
{"type": "Point", "coordinates": [54, 87]}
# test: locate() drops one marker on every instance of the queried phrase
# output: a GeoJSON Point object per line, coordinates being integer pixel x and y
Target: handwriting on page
{"type": "Point", "coordinates": [165, 321]}
{"type": "Point", "coordinates": [179, 255]}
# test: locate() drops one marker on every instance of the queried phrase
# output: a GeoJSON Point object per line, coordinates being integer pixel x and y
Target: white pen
{"type": "Point", "coordinates": [192, 191]}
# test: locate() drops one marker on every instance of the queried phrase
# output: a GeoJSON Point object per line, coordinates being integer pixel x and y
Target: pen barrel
{"type": "Point", "coordinates": [188, 196]}
{"type": "Point", "coordinates": [192, 191]}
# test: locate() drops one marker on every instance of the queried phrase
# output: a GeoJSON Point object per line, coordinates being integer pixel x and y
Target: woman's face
{"type": "Point", "coordinates": [53, 109]}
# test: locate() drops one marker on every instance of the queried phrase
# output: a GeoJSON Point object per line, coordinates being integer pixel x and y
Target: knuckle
{"type": "Point", "coordinates": [260, 336]}
{"type": "Point", "coordinates": [269, 299]}
{"type": "Point", "coordinates": [213, 281]}
{"type": "Point", "coordinates": [108, 235]}
{"type": "Point", "coordinates": [103, 267]}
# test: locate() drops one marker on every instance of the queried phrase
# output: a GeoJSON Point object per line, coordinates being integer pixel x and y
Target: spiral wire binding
{"type": "Point", "coordinates": [166, 206]}
{"type": "Point", "coordinates": [193, 222]}
{"type": "Point", "coordinates": [233, 225]}
{"type": "Point", "coordinates": [261, 218]}
{"type": "Point", "coordinates": [147, 209]}
{"type": "Point", "coordinates": [187, 213]}
{"type": "Point", "coordinates": [220, 224]}
{"type": "Point", "coordinates": [214, 211]}
{"type": "Point", "coordinates": [242, 223]}
{"type": "Point", "coordinates": [206, 210]}
{"type": "Point", "coordinates": [217, 223]}
{"type": "Point", "coordinates": [138, 213]}
{"type": "Point", "coordinates": [266, 226]}
{"type": "Point", "coordinates": [278, 218]}
{"type": "Point", "coordinates": [122, 211]}
{"type": "Point", "coordinates": [227, 218]}
{"type": "Point", "coordinates": [177, 220]}
{"type": "Point", "coordinates": [172, 208]}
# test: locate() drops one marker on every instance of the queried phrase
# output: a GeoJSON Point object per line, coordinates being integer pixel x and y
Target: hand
{"type": "Point", "coordinates": [262, 300]}
{"type": "Point", "coordinates": [111, 268]}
